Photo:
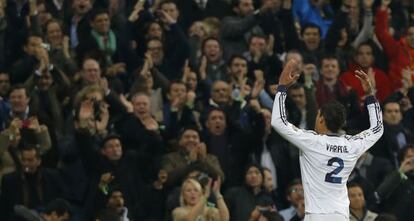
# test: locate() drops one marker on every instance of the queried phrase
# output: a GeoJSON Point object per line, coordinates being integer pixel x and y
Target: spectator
{"type": "Point", "coordinates": [395, 194]}
{"type": "Point", "coordinates": [113, 201]}
{"type": "Point", "coordinates": [357, 207]}
{"type": "Point", "coordinates": [319, 13]}
{"type": "Point", "coordinates": [212, 66]}
{"type": "Point", "coordinates": [35, 58]}
{"type": "Point", "coordinates": [294, 194]}
{"type": "Point", "coordinates": [395, 135]}
{"type": "Point", "coordinates": [398, 52]}
{"type": "Point", "coordinates": [244, 201]}
{"type": "Point", "coordinates": [105, 44]}
{"type": "Point", "coordinates": [4, 94]}
{"type": "Point", "coordinates": [193, 202]}
{"type": "Point", "coordinates": [60, 51]}
{"type": "Point", "coordinates": [31, 186]}
{"type": "Point", "coordinates": [178, 111]}
{"type": "Point", "coordinates": [191, 151]}
{"type": "Point", "coordinates": [58, 209]}
{"type": "Point", "coordinates": [148, 146]}
{"type": "Point", "coordinates": [231, 144]}
{"type": "Point", "coordinates": [77, 23]}
{"type": "Point", "coordinates": [243, 23]}
{"type": "Point", "coordinates": [364, 59]}
{"type": "Point", "coordinates": [272, 152]}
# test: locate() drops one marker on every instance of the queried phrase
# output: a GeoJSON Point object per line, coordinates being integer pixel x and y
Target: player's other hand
{"type": "Point", "coordinates": [365, 81]}
{"type": "Point", "coordinates": [290, 73]}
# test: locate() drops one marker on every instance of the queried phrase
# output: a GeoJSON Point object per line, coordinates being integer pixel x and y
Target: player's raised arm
{"type": "Point", "coordinates": [368, 138]}
{"type": "Point", "coordinates": [280, 123]}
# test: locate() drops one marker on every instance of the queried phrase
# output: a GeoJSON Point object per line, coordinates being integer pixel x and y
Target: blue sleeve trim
{"type": "Point", "coordinates": [370, 99]}
{"type": "Point", "coordinates": [281, 88]}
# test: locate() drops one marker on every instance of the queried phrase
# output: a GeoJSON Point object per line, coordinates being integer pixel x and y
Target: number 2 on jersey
{"type": "Point", "coordinates": [329, 177]}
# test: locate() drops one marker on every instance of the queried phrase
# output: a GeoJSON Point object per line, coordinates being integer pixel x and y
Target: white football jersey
{"type": "Point", "coordinates": [326, 161]}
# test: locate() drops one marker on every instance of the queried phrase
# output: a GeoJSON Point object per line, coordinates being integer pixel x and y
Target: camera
{"type": "Point", "coordinates": [203, 179]}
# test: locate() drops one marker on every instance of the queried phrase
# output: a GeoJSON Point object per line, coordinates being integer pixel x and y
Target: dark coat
{"type": "Point", "coordinates": [15, 190]}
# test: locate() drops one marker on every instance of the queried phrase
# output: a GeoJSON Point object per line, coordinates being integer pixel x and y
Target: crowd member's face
{"type": "Point", "coordinates": [177, 91]}
{"type": "Point", "coordinates": [81, 7]}
{"type": "Point", "coordinates": [216, 122]}
{"type": "Point", "coordinates": [91, 71]}
{"type": "Point", "coordinates": [212, 51]}
{"type": "Point", "coordinates": [154, 31]}
{"type": "Point", "coordinates": [171, 10]}
{"type": "Point", "coordinates": [221, 93]}
{"type": "Point", "coordinates": [257, 45]}
{"type": "Point", "coordinates": [238, 68]}
{"type": "Point", "coordinates": [295, 194]}
{"type": "Point", "coordinates": [4, 84]}
{"type": "Point", "coordinates": [244, 8]}
{"type": "Point", "coordinates": [267, 115]}
{"type": "Point", "coordinates": [116, 202]}
{"type": "Point", "coordinates": [141, 105]}
{"type": "Point", "coordinates": [298, 96]}
{"type": "Point", "coordinates": [19, 100]}
{"type": "Point", "coordinates": [112, 149]}
{"type": "Point", "coordinates": [189, 140]}
{"type": "Point", "coordinates": [268, 180]}
{"type": "Point", "coordinates": [365, 57]}
{"type": "Point", "coordinates": [311, 37]}
{"type": "Point", "coordinates": [191, 194]}
{"type": "Point", "coordinates": [44, 15]}
{"type": "Point", "coordinates": [356, 198]}
{"type": "Point", "coordinates": [30, 162]}
{"type": "Point", "coordinates": [155, 49]}
{"type": "Point", "coordinates": [101, 23]}
{"type": "Point", "coordinates": [410, 36]}
{"type": "Point", "coordinates": [392, 114]}
{"type": "Point", "coordinates": [409, 154]}
{"type": "Point", "coordinates": [32, 45]}
{"type": "Point", "coordinates": [254, 177]}
{"type": "Point", "coordinates": [54, 33]}
{"type": "Point", "coordinates": [45, 81]}
{"type": "Point", "coordinates": [330, 69]}
{"type": "Point", "coordinates": [192, 81]}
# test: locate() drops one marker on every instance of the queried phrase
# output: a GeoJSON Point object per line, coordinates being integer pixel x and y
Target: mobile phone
{"type": "Point", "coordinates": [263, 209]}
{"type": "Point", "coordinates": [26, 123]}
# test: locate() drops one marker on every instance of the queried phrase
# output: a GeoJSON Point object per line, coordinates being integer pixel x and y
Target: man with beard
{"type": "Point", "coordinates": [396, 192]}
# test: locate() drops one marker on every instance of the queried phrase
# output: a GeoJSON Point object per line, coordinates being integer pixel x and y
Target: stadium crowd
{"type": "Point", "coordinates": [160, 109]}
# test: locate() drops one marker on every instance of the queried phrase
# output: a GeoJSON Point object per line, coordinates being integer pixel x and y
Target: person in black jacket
{"type": "Point", "coordinates": [31, 185]}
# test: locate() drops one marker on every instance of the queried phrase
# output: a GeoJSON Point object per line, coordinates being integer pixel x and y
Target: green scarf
{"type": "Point", "coordinates": [110, 47]}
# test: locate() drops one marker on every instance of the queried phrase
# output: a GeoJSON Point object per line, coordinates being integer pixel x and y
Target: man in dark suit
{"type": "Point", "coordinates": [30, 185]}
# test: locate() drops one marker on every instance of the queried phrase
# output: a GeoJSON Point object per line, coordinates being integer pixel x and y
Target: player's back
{"type": "Point", "coordinates": [326, 166]}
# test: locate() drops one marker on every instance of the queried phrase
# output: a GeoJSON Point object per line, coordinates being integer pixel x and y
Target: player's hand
{"type": "Point", "coordinates": [290, 73]}
{"type": "Point", "coordinates": [365, 81]}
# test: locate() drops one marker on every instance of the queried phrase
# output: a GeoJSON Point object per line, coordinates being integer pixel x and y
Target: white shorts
{"type": "Point", "coordinates": [325, 217]}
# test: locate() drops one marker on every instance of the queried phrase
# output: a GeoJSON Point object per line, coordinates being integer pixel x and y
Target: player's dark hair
{"type": "Point", "coordinates": [334, 115]}
{"type": "Point", "coordinates": [296, 86]}
{"type": "Point", "coordinates": [353, 184]}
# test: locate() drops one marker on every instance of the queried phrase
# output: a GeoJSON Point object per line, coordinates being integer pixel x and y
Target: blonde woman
{"type": "Point", "coordinates": [194, 203]}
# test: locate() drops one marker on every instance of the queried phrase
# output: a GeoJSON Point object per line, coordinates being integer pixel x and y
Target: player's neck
{"type": "Point", "coordinates": [359, 213]}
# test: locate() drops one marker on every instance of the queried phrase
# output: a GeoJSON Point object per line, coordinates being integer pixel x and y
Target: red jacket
{"type": "Point", "coordinates": [382, 83]}
{"type": "Point", "coordinates": [399, 54]}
